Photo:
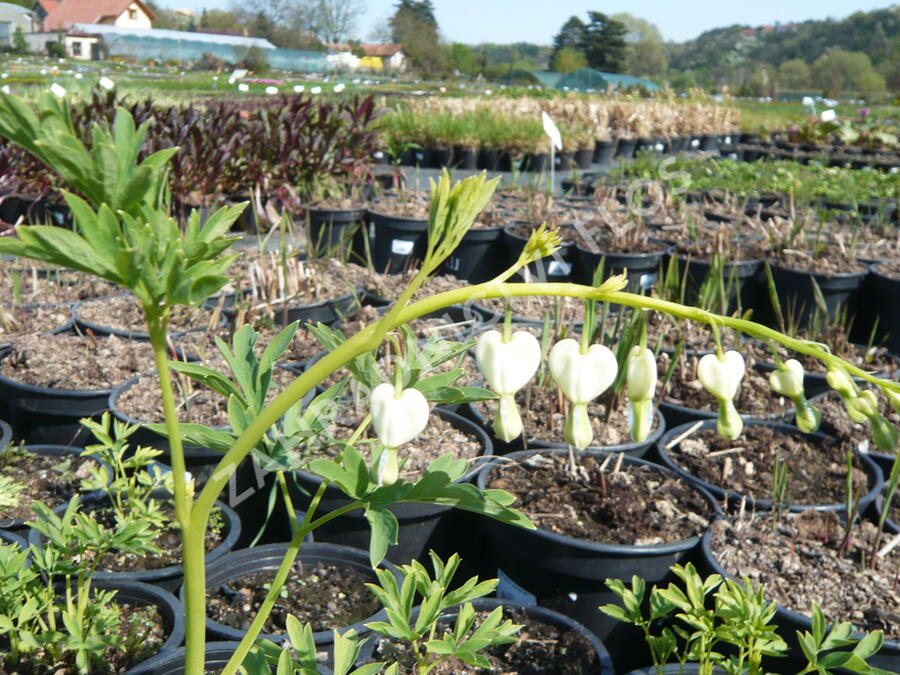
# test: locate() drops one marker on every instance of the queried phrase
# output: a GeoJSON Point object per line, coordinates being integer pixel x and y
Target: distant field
{"type": "Point", "coordinates": [756, 115]}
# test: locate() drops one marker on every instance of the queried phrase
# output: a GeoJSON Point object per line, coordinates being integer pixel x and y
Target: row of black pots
{"type": "Point", "coordinates": [754, 153]}
{"type": "Point", "coordinates": [602, 153]}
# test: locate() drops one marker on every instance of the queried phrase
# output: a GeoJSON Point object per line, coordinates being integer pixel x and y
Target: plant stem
{"type": "Point", "coordinates": [237, 658]}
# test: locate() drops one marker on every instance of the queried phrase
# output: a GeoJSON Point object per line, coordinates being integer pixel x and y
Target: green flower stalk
{"type": "Point", "coordinates": [507, 362]}
{"type": "Point", "coordinates": [787, 380]}
{"type": "Point", "coordinates": [582, 373]}
{"type": "Point", "coordinates": [640, 382]}
{"type": "Point", "coordinates": [721, 376]}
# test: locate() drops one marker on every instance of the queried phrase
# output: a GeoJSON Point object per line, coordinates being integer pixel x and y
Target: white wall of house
{"type": "Point", "coordinates": [133, 17]}
{"type": "Point", "coordinates": [343, 60]}
{"type": "Point", "coordinates": [397, 61]}
{"type": "Point", "coordinates": [80, 47]}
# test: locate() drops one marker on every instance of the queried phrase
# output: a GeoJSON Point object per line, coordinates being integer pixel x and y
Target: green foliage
{"type": "Point", "coordinates": [740, 618]}
{"type": "Point", "coordinates": [9, 493]}
{"type": "Point", "coordinates": [839, 71]}
{"type": "Point", "coordinates": [568, 59]}
{"type": "Point", "coordinates": [794, 74]}
{"type": "Point", "coordinates": [601, 41]}
{"type": "Point", "coordinates": [465, 641]}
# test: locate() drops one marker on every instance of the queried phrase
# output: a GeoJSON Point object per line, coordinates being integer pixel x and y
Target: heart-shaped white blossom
{"type": "Point", "coordinates": [582, 377]}
{"type": "Point", "coordinates": [508, 366]}
{"type": "Point", "coordinates": [397, 419]}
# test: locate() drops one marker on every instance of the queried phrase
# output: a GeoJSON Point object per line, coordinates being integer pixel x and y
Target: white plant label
{"type": "Point", "coordinates": [552, 130]}
{"type": "Point", "coordinates": [401, 247]}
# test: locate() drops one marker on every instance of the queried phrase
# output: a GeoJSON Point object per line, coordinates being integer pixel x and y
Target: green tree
{"type": "Point", "coordinates": [794, 75]}
{"type": "Point", "coordinates": [568, 59]}
{"type": "Point", "coordinates": [462, 58]}
{"type": "Point", "coordinates": [219, 19]}
{"type": "Point", "coordinates": [570, 36]}
{"type": "Point", "coordinates": [645, 53]}
{"type": "Point", "coordinates": [603, 43]}
{"type": "Point", "coordinates": [839, 71]}
{"type": "Point", "coordinates": [20, 44]}
{"type": "Point", "coordinates": [415, 27]}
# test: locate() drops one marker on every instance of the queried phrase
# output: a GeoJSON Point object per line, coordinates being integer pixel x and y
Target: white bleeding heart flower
{"type": "Point", "coordinates": [397, 419]}
{"type": "Point", "coordinates": [721, 377]}
{"type": "Point", "coordinates": [582, 376]}
{"type": "Point", "coordinates": [507, 366]}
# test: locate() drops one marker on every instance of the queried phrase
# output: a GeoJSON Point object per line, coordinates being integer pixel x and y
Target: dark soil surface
{"type": "Point", "coordinates": [407, 204]}
{"type": "Point", "coordinates": [561, 310]}
{"type": "Point", "coordinates": [831, 260]}
{"type": "Point", "coordinates": [75, 363]}
{"type": "Point", "coordinates": [730, 250]}
{"type": "Point", "coordinates": [28, 285]}
{"type": "Point", "coordinates": [816, 470]}
{"type": "Point", "coordinates": [697, 337]}
{"type": "Point", "coordinates": [51, 480]}
{"type": "Point", "coordinates": [443, 327]}
{"type": "Point", "coordinates": [754, 397]}
{"type": "Point", "coordinates": [543, 412]}
{"type": "Point", "coordinates": [798, 562]}
{"type": "Point", "coordinates": [635, 505]}
{"type": "Point", "coordinates": [891, 269]}
{"type": "Point", "coordinates": [195, 403]}
{"type": "Point", "coordinates": [16, 321]}
{"type": "Point", "coordinates": [326, 596]}
{"type": "Point", "coordinates": [632, 243]}
{"type": "Point", "coordinates": [142, 630]}
{"type": "Point", "coordinates": [124, 312]}
{"type": "Point", "coordinates": [540, 650]}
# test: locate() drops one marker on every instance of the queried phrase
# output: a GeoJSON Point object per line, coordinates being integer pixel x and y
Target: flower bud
{"type": "Point", "coordinates": [884, 434]}
{"type": "Point", "coordinates": [840, 381]}
{"type": "Point", "coordinates": [788, 380]}
{"type": "Point", "coordinates": [866, 403]}
{"type": "Point", "coordinates": [579, 432]}
{"type": "Point", "coordinates": [729, 424]}
{"type": "Point", "coordinates": [640, 380]}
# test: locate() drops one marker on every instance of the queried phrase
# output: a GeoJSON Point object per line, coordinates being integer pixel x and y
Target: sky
{"type": "Point", "coordinates": [505, 21]}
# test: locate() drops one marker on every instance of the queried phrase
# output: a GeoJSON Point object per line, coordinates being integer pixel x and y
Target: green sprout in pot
{"type": "Point", "coordinates": [733, 633]}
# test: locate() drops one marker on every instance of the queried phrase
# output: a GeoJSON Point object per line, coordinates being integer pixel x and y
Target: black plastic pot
{"type": "Point", "coordinates": [168, 578]}
{"type": "Point", "coordinates": [400, 243]}
{"type": "Point", "coordinates": [6, 434]}
{"type": "Point", "coordinates": [19, 526]}
{"type": "Point", "coordinates": [675, 669]}
{"type": "Point", "coordinates": [882, 293]}
{"type": "Point", "coordinates": [789, 622]}
{"type": "Point", "coordinates": [337, 231]}
{"type": "Point", "coordinates": [796, 295]}
{"type": "Point", "coordinates": [545, 269]}
{"type": "Point", "coordinates": [584, 157]}
{"type": "Point", "coordinates": [626, 148]}
{"type": "Point", "coordinates": [493, 159]}
{"type": "Point", "coordinates": [876, 480]}
{"type": "Point", "coordinates": [466, 158]}
{"type": "Point", "coordinates": [324, 311]}
{"type": "Point", "coordinates": [480, 256]}
{"type": "Point", "coordinates": [709, 142]}
{"type": "Point", "coordinates": [605, 151]}
{"type": "Point", "coordinates": [422, 526]}
{"type": "Point", "coordinates": [248, 561]}
{"type": "Point", "coordinates": [7, 537]}
{"type": "Point", "coordinates": [742, 280]}
{"type": "Point", "coordinates": [442, 158]}
{"type": "Point", "coordinates": [568, 574]}
{"type": "Point", "coordinates": [643, 268]}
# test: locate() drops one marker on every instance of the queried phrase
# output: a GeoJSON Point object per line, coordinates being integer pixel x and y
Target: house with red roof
{"type": "Point", "coordinates": [62, 14]}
